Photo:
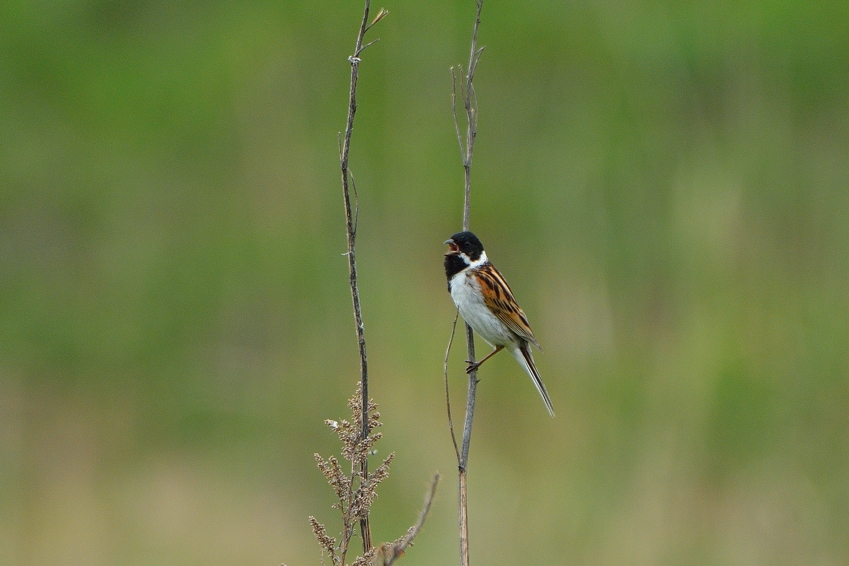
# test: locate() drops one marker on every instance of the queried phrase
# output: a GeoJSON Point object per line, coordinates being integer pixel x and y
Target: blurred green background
{"type": "Point", "coordinates": [664, 184]}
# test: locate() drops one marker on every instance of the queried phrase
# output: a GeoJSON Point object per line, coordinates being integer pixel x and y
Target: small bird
{"type": "Point", "coordinates": [487, 304]}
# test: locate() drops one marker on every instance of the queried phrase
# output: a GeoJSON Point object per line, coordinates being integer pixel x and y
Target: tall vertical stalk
{"type": "Point", "coordinates": [351, 229]}
{"type": "Point", "coordinates": [467, 146]}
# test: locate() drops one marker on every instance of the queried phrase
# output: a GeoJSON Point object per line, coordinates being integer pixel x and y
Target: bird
{"type": "Point", "coordinates": [487, 304]}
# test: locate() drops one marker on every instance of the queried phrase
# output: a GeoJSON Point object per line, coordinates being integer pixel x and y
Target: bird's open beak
{"type": "Point", "coordinates": [452, 249]}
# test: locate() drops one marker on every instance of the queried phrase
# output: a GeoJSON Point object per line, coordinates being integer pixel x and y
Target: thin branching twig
{"type": "Point", "coordinates": [389, 552]}
{"type": "Point", "coordinates": [447, 392]}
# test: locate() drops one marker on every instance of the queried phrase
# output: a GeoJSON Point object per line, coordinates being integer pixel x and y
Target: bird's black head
{"type": "Point", "coordinates": [465, 243]}
{"type": "Point", "coordinates": [463, 249]}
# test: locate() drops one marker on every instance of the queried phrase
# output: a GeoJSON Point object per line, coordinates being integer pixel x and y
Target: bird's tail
{"type": "Point", "coordinates": [526, 360]}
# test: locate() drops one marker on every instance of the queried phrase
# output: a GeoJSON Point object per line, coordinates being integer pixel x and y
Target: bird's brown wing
{"type": "Point", "coordinates": [498, 297]}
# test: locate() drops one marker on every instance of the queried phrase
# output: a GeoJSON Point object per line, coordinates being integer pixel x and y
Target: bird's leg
{"type": "Point", "coordinates": [475, 365]}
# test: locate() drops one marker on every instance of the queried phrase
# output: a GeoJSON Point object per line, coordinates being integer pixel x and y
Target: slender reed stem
{"type": "Point", "coordinates": [351, 229]}
{"type": "Point", "coordinates": [467, 146]}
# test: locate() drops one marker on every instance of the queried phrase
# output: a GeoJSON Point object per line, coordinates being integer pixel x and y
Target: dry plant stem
{"type": "Point", "coordinates": [447, 391]}
{"type": "Point", "coordinates": [392, 551]}
{"type": "Point", "coordinates": [464, 454]}
{"type": "Point", "coordinates": [351, 228]}
{"type": "Point", "coordinates": [350, 224]}
{"type": "Point", "coordinates": [414, 530]}
{"type": "Point", "coordinates": [467, 91]}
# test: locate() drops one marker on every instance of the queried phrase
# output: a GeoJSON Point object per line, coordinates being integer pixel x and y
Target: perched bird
{"type": "Point", "coordinates": [487, 304]}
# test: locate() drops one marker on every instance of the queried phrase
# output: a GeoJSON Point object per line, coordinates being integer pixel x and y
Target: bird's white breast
{"type": "Point", "coordinates": [467, 295]}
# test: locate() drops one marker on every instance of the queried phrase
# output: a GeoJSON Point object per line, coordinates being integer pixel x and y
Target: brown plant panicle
{"type": "Point", "coordinates": [356, 491]}
{"type": "Point", "coordinates": [328, 543]}
{"type": "Point", "coordinates": [366, 559]}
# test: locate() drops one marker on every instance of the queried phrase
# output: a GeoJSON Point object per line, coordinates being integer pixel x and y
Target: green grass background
{"type": "Point", "coordinates": [664, 184]}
